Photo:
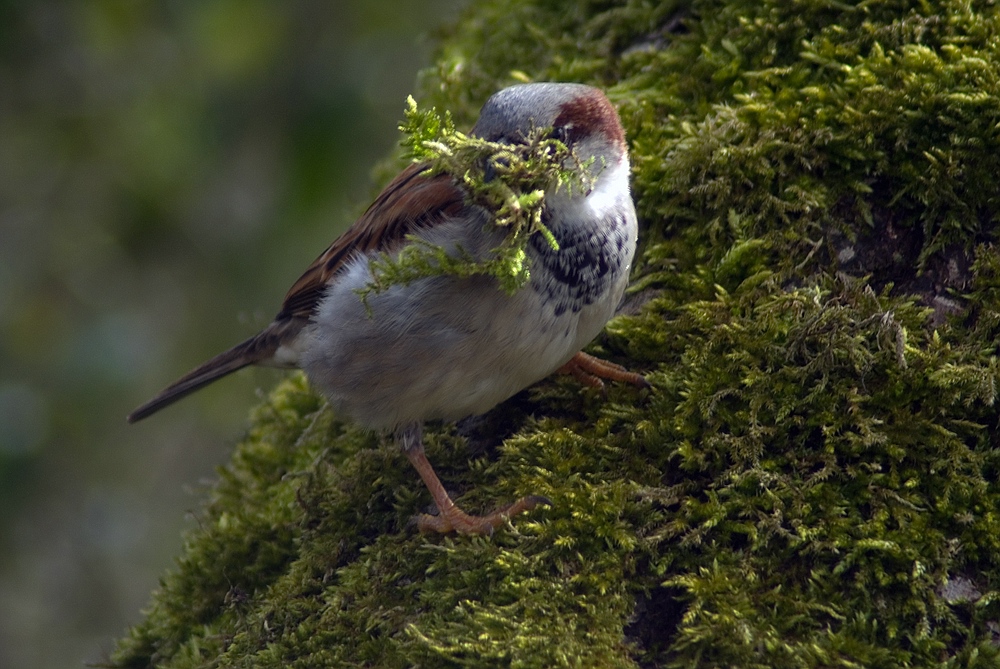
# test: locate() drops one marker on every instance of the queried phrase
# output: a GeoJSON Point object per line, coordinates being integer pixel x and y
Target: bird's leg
{"type": "Point", "coordinates": [589, 371]}
{"type": "Point", "coordinates": [450, 518]}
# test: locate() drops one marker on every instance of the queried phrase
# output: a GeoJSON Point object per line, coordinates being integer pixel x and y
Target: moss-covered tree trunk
{"type": "Point", "coordinates": [811, 480]}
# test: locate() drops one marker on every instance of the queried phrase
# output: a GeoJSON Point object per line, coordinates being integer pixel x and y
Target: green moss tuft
{"type": "Point", "coordinates": [510, 180]}
{"type": "Point", "coordinates": [812, 479]}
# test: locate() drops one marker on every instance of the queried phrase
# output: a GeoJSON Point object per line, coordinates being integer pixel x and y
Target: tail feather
{"type": "Point", "coordinates": [251, 351]}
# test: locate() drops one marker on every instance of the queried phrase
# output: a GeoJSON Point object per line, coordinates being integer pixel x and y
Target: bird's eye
{"type": "Point", "coordinates": [561, 133]}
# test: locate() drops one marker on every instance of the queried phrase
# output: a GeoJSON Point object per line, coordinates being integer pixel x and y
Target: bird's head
{"type": "Point", "coordinates": [580, 116]}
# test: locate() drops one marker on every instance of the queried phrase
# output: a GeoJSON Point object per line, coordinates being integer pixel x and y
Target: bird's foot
{"type": "Point", "coordinates": [450, 518]}
{"type": "Point", "coordinates": [590, 371]}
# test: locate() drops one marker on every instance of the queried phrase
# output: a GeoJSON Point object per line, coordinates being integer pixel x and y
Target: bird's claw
{"type": "Point", "coordinates": [453, 519]}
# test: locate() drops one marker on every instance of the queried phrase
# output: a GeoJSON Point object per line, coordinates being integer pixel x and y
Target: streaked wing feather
{"type": "Point", "coordinates": [411, 202]}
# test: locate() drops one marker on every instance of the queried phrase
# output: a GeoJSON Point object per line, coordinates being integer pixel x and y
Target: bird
{"type": "Point", "coordinates": [446, 347]}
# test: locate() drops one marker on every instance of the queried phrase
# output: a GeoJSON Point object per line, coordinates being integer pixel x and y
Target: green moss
{"type": "Point", "coordinates": [510, 180]}
{"type": "Point", "coordinates": [811, 481]}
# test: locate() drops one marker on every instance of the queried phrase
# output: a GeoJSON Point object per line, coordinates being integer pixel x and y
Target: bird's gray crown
{"type": "Point", "coordinates": [509, 115]}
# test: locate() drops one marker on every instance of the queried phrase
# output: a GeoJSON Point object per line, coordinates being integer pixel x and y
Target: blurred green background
{"type": "Point", "coordinates": [166, 172]}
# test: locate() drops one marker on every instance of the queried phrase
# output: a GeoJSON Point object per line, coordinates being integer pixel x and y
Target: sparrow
{"type": "Point", "coordinates": [444, 347]}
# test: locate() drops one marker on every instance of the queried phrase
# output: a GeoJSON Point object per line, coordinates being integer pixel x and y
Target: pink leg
{"type": "Point", "coordinates": [450, 517]}
{"type": "Point", "coordinates": [589, 371]}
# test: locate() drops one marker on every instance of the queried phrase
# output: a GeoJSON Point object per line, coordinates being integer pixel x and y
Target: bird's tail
{"type": "Point", "coordinates": [255, 349]}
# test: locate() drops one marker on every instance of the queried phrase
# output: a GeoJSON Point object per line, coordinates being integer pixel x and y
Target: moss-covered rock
{"type": "Point", "coordinates": [811, 480]}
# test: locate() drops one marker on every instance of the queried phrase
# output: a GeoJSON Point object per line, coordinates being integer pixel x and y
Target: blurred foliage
{"type": "Point", "coordinates": [167, 169]}
{"type": "Point", "coordinates": [812, 480]}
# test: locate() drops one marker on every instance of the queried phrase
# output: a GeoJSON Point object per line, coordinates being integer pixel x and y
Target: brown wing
{"type": "Point", "coordinates": [412, 201]}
